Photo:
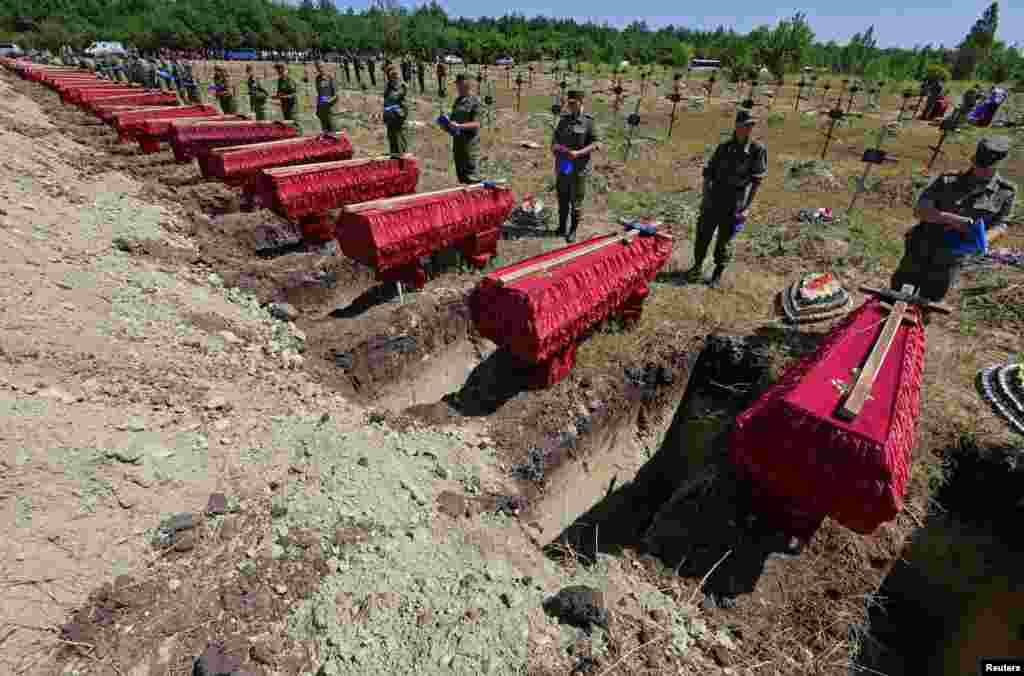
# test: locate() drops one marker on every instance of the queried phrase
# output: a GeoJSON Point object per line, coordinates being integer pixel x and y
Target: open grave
{"type": "Point", "coordinates": [625, 456]}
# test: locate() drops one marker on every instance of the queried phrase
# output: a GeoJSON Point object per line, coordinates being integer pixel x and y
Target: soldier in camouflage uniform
{"type": "Point", "coordinates": [191, 86]}
{"type": "Point", "coordinates": [575, 138]}
{"type": "Point", "coordinates": [371, 68]}
{"type": "Point", "coordinates": [286, 94]}
{"type": "Point", "coordinates": [395, 112]}
{"type": "Point", "coordinates": [257, 95]}
{"type": "Point", "coordinates": [150, 75]}
{"type": "Point", "coordinates": [951, 204]}
{"type": "Point", "coordinates": [222, 85]}
{"type": "Point", "coordinates": [179, 79]}
{"type": "Point", "coordinates": [164, 73]}
{"type": "Point", "coordinates": [465, 122]}
{"type": "Point", "coordinates": [731, 180]}
{"type": "Point", "coordinates": [326, 97]}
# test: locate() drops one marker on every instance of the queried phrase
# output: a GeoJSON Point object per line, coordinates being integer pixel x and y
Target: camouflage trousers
{"type": "Point", "coordinates": [928, 263]}
{"type": "Point", "coordinates": [708, 223]}
{"type": "Point", "coordinates": [398, 144]}
{"type": "Point", "coordinates": [258, 108]}
{"type": "Point", "coordinates": [572, 189]}
{"type": "Point", "coordinates": [227, 104]}
{"type": "Point", "coordinates": [326, 116]}
{"type": "Point", "coordinates": [467, 155]}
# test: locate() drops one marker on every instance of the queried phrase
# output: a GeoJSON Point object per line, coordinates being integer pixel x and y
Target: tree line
{"type": "Point", "coordinates": [427, 31]}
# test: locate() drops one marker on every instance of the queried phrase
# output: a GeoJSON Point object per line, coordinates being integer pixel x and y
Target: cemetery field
{"type": "Point", "coordinates": [391, 509]}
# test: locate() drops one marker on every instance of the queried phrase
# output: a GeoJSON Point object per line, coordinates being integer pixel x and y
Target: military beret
{"type": "Point", "coordinates": [461, 77]}
{"type": "Point", "coordinates": [744, 118]}
{"type": "Point", "coordinates": [575, 94]}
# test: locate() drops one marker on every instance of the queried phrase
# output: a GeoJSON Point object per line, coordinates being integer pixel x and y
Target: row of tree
{"type": "Point", "coordinates": [427, 31]}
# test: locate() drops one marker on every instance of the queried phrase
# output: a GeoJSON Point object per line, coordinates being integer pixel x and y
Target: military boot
{"type": "Point", "coordinates": [694, 274]}
{"type": "Point", "coordinates": [571, 236]}
{"type": "Point", "coordinates": [716, 277]}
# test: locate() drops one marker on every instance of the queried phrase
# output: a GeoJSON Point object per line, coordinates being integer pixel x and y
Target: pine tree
{"type": "Point", "coordinates": [977, 46]}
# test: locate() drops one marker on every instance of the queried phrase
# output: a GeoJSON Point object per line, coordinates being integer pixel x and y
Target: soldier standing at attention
{"type": "Point", "coordinates": [947, 209]}
{"type": "Point", "coordinates": [359, 71]}
{"type": "Point", "coordinates": [395, 112]}
{"type": "Point", "coordinates": [346, 63]}
{"type": "Point", "coordinates": [442, 80]}
{"type": "Point", "coordinates": [326, 97]}
{"type": "Point", "coordinates": [222, 86]}
{"type": "Point", "coordinates": [465, 122]}
{"type": "Point", "coordinates": [257, 95]}
{"type": "Point", "coordinates": [421, 75]}
{"type": "Point", "coordinates": [286, 93]}
{"type": "Point", "coordinates": [371, 68]}
{"type": "Point", "coordinates": [575, 138]}
{"type": "Point", "coordinates": [190, 85]}
{"type": "Point", "coordinates": [731, 180]}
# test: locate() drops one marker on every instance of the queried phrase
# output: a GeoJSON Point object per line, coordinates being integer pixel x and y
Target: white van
{"type": "Point", "coordinates": [106, 49]}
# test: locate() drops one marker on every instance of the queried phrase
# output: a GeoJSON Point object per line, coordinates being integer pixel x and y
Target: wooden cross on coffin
{"type": "Point", "coordinates": [900, 300]}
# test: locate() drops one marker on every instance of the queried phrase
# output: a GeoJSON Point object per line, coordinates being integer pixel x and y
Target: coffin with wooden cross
{"type": "Point", "coordinates": [540, 307]}
{"type": "Point", "coordinates": [833, 437]}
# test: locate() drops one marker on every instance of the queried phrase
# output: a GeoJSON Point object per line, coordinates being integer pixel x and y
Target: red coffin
{"type": "Point", "coordinates": [152, 132]}
{"type": "Point", "coordinates": [306, 193]}
{"type": "Point", "coordinates": [80, 93]}
{"type": "Point", "coordinates": [391, 235]}
{"type": "Point", "coordinates": [238, 164]}
{"type": "Point", "coordinates": [191, 139]}
{"type": "Point", "coordinates": [804, 461]}
{"type": "Point", "coordinates": [539, 316]}
{"type": "Point", "coordinates": [83, 97]}
{"type": "Point", "coordinates": [107, 113]}
{"type": "Point", "coordinates": [129, 123]}
{"type": "Point", "coordinates": [147, 98]}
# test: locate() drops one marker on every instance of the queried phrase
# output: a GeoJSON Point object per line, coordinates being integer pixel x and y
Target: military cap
{"type": "Point", "coordinates": [744, 118]}
{"type": "Point", "coordinates": [575, 94]}
{"type": "Point", "coordinates": [991, 150]}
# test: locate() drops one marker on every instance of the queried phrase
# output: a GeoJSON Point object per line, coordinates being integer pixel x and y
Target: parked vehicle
{"type": "Point", "coordinates": [452, 59]}
{"type": "Point", "coordinates": [505, 61]}
{"type": "Point", "coordinates": [705, 64]}
{"type": "Point", "coordinates": [241, 55]}
{"type": "Point", "coordinates": [10, 49]}
{"type": "Point", "coordinates": [106, 49]}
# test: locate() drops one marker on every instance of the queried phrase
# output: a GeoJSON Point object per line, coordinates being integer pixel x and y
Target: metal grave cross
{"type": "Point", "coordinates": [675, 97]}
{"type": "Point", "coordinates": [854, 402]}
{"type": "Point", "coordinates": [873, 156]}
{"type": "Point", "coordinates": [907, 95]}
{"type": "Point", "coordinates": [946, 127]}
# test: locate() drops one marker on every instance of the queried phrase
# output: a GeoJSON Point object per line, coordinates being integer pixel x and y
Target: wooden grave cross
{"type": "Point", "coordinates": [901, 301]}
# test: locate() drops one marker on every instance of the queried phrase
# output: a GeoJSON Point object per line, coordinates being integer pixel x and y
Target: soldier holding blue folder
{"type": "Point", "coordinates": [959, 214]}
{"type": "Point", "coordinates": [575, 138]}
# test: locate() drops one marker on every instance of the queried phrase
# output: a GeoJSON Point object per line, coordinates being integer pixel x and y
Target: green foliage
{"type": "Point", "coordinates": [937, 72]}
{"type": "Point", "coordinates": [426, 30]}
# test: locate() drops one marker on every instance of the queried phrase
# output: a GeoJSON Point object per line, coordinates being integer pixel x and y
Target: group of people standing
{"type": "Point", "coordinates": [950, 211]}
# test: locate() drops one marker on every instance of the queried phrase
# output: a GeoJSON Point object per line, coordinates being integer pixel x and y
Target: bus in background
{"type": "Point", "coordinates": [241, 55]}
{"type": "Point", "coordinates": [705, 64]}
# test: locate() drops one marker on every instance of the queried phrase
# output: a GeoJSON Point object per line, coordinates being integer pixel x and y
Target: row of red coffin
{"type": "Point", "coordinates": [537, 308]}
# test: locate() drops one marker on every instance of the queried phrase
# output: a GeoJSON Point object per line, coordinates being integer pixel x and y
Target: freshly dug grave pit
{"type": "Point", "coordinates": [685, 508]}
{"type": "Point", "coordinates": [960, 580]}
